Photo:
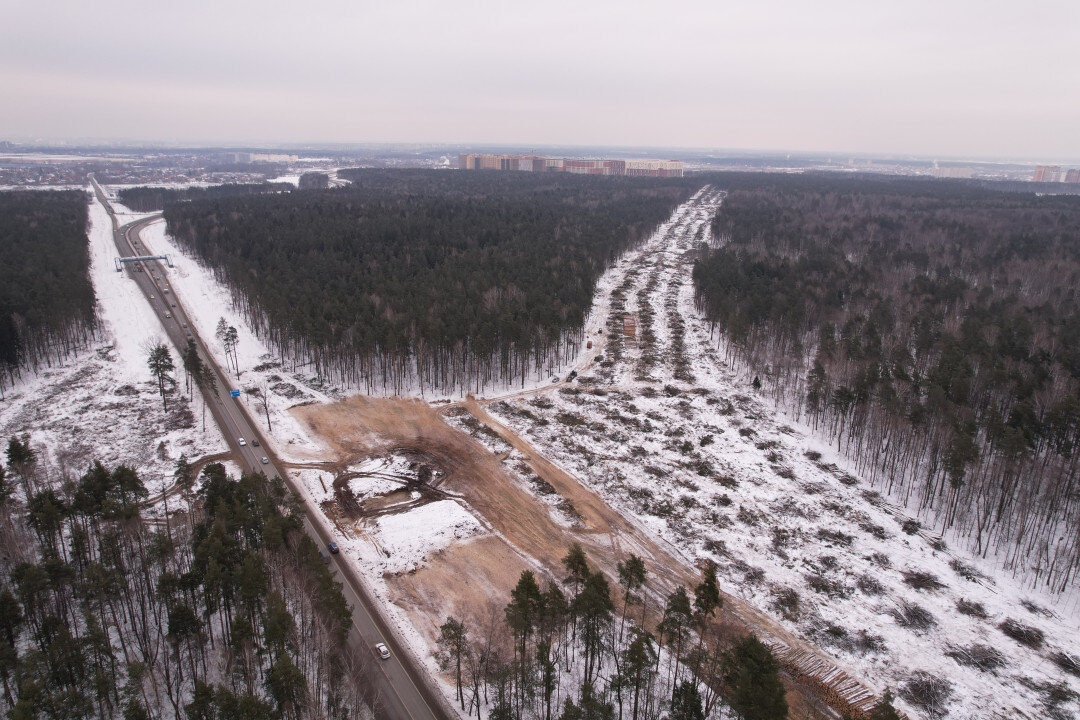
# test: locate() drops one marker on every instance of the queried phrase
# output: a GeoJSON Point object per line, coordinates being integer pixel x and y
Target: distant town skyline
{"type": "Point", "coordinates": [955, 79]}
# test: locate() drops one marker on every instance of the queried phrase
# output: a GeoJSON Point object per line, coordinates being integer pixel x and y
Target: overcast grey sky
{"type": "Point", "coordinates": [944, 77]}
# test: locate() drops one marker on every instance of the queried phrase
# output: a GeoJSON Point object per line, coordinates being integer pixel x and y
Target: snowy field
{"type": "Point", "coordinates": [104, 404]}
{"type": "Point", "coordinates": [678, 441]}
{"type": "Point", "coordinates": [407, 539]}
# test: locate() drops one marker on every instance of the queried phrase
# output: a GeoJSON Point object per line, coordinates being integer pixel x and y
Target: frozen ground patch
{"type": "Point", "coordinates": [406, 539]}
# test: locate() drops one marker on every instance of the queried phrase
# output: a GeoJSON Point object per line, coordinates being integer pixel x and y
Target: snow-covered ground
{"type": "Point", "coordinates": [104, 404]}
{"type": "Point", "coordinates": [701, 461]}
{"type": "Point", "coordinates": [407, 539]}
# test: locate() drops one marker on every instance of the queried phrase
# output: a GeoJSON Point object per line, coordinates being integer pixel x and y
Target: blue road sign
{"type": "Point", "coordinates": [234, 393]}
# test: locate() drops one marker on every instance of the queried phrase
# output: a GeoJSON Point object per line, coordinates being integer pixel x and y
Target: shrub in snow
{"type": "Point", "coordinates": [1034, 609]}
{"type": "Point", "coordinates": [754, 575]}
{"type": "Point", "coordinates": [913, 617]}
{"type": "Point", "coordinates": [840, 510]}
{"type": "Point", "coordinates": [927, 692]}
{"type": "Point", "coordinates": [921, 580]}
{"type": "Point", "coordinates": [746, 516]}
{"type": "Point", "coordinates": [911, 527]}
{"type": "Point", "coordinates": [728, 482]}
{"type": "Point", "coordinates": [981, 657]}
{"type": "Point", "coordinates": [873, 497]}
{"type": "Point", "coordinates": [662, 508]}
{"type": "Point", "coordinates": [869, 585]}
{"type": "Point", "coordinates": [859, 643]}
{"type": "Point", "coordinates": [787, 604]}
{"type": "Point", "coordinates": [540, 485]}
{"type": "Point", "coordinates": [880, 559]}
{"type": "Point", "coordinates": [812, 455]}
{"type": "Point", "coordinates": [973, 609]}
{"type": "Point", "coordinates": [781, 538]}
{"type": "Point", "coordinates": [688, 502]}
{"type": "Point", "coordinates": [1023, 634]}
{"type": "Point", "coordinates": [835, 537]}
{"type": "Point", "coordinates": [686, 484]}
{"type": "Point", "coordinates": [827, 586]}
{"type": "Point", "coordinates": [703, 468]}
{"type": "Point", "coordinates": [871, 529]}
{"type": "Point", "coordinates": [966, 571]}
{"type": "Point", "coordinates": [567, 508]}
{"type": "Point", "coordinates": [716, 546]}
{"type": "Point", "coordinates": [866, 642]}
{"type": "Point", "coordinates": [1068, 663]}
{"type": "Point", "coordinates": [1054, 695]}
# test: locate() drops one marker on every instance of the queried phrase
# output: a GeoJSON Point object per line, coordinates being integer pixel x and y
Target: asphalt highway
{"type": "Point", "coordinates": [401, 687]}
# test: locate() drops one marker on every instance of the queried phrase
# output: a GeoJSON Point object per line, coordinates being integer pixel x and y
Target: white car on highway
{"type": "Point", "coordinates": [241, 441]}
{"type": "Point", "coordinates": [384, 652]}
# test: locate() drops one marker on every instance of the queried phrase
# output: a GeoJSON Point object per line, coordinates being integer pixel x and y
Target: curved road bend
{"type": "Point", "coordinates": [402, 685]}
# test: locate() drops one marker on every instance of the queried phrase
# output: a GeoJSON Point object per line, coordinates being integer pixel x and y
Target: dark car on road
{"type": "Point", "coordinates": [333, 548]}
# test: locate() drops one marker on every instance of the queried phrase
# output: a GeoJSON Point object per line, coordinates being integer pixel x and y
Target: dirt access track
{"type": "Point", "coordinates": [470, 580]}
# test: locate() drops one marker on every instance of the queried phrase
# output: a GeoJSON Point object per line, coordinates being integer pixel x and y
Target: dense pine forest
{"type": "Point", "coordinates": [932, 329]}
{"type": "Point", "coordinates": [47, 302]}
{"type": "Point", "coordinates": [425, 279]}
{"type": "Point", "coordinates": [226, 612]}
{"type": "Point", "coordinates": [149, 199]}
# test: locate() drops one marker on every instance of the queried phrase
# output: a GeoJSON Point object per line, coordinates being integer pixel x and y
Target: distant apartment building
{"type": "Point", "coordinates": [1047, 173]}
{"type": "Point", "coordinates": [574, 166]}
{"type": "Point", "coordinates": [481, 161]}
{"type": "Point", "coordinates": [1073, 176]}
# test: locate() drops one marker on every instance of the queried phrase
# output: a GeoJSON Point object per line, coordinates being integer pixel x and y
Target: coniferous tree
{"type": "Point", "coordinates": [454, 646]}
{"type": "Point", "coordinates": [686, 702]}
{"type": "Point", "coordinates": [752, 677]}
{"type": "Point", "coordinates": [161, 366]}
